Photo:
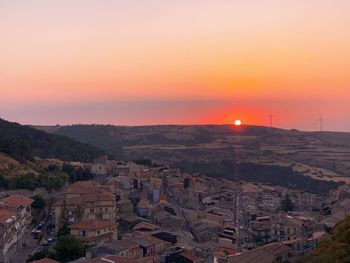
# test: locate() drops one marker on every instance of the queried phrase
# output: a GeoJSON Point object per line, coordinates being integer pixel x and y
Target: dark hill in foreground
{"type": "Point", "coordinates": [24, 142]}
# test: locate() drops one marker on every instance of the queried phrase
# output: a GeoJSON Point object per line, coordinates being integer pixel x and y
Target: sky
{"type": "Point", "coordinates": [143, 62]}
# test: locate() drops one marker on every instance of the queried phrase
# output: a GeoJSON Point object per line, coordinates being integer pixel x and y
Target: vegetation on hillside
{"type": "Point", "coordinates": [31, 181]}
{"type": "Point", "coordinates": [335, 248]}
{"type": "Point", "coordinates": [106, 137]}
{"type": "Point", "coordinates": [24, 142]}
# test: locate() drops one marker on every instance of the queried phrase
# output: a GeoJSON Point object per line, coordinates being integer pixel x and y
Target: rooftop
{"type": "Point", "coordinates": [5, 215]}
{"type": "Point", "coordinates": [45, 260]}
{"type": "Point", "coordinates": [14, 201]}
{"type": "Point", "coordinates": [91, 224]}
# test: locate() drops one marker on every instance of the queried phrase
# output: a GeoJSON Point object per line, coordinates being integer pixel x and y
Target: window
{"type": "Point", "coordinates": [92, 210]}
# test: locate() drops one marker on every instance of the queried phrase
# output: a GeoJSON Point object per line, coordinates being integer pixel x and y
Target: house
{"type": "Point", "coordinates": [87, 200]}
{"type": "Point", "coordinates": [101, 166]}
{"type": "Point", "coordinates": [264, 254]}
{"type": "Point", "coordinates": [15, 219]}
{"type": "Point", "coordinates": [261, 229]}
{"type": "Point", "coordinates": [145, 227]}
{"type": "Point", "coordinates": [144, 208]}
{"type": "Point", "coordinates": [205, 231]}
{"type": "Point", "coordinates": [118, 259]}
{"type": "Point", "coordinates": [122, 248]}
{"type": "Point", "coordinates": [300, 246]}
{"type": "Point", "coordinates": [150, 245]}
{"type": "Point", "coordinates": [131, 248]}
{"type": "Point", "coordinates": [125, 207]}
{"type": "Point", "coordinates": [182, 257]}
{"type": "Point", "coordinates": [221, 254]}
{"type": "Point", "coordinates": [45, 260]}
{"type": "Point", "coordinates": [92, 231]}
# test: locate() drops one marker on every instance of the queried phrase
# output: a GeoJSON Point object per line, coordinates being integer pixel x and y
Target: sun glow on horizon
{"type": "Point", "coordinates": [238, 123]}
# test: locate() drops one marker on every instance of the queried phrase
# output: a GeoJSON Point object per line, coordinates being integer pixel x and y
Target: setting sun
{"type": "Point", "coordinates": [238, 123]}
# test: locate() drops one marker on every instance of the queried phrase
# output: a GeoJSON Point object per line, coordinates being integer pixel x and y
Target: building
{"type": "Point", "coordinates": [118, 259]}
{"type": "Point", "coordinates": [261, 229]}
{"type": "Point", "coordinates": [45, 260]}
{"type": "Point", "coordinates": [273, 252]}
{"type": "Point", "coordinates": [94, 231]}
{"type": "Point", "coordinates": [183, 257]}
{"type": "Point", "coordinates": [15, 219]}
{"type": "Point", "coordinates": [87, 200]}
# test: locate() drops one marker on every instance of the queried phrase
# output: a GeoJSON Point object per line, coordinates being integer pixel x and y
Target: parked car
{"type": "Point", "coordinates": [45, 243]}
{"type": "Point", "coordinates": [51, 239]}
{"type": "Point", "coordinates": [34, 231]}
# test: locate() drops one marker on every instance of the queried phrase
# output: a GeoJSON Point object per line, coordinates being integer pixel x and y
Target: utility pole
{"type": "Point", "coordinates": [237, 201]}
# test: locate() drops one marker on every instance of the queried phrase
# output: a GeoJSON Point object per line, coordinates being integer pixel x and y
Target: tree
{"type": "Point", "coordinates": [63, 221]}
{"type": "Point", "coordinates": [87, 174]}
{"type": "Point", "coordinates": [3, 182]}
{"type": "Point", "coordinates": [68, 248]}
{"type": "Point", "coordinates": [335, 248]}
{"type": "Point", "coordinates": [287, 204]}
{"type": "Point", "coordinates": [39, 255]}
{"type": "Point", "coordinates": [39, 202]}
{"type": "Point", "coordinates": [70, 170]}
{"type": "Point", "coordinates": [79, 211]}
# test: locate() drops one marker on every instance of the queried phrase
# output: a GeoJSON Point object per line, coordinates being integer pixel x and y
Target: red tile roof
{"type": "Point", "coordinates": [94, 238]}
{"type": "Point", "coordinates": [45, 260]}
{"type": "Point", "coordinates": [5, 214]}
{"type": "Point", "coordinates": [223, 251]}
{"type": "Point", "coordinates": [99, 196]}
{"type": "Point", "coordinates": [69, 202]}
{"type": "Point", "coordinates": [14, 201]}
{"type": "Point", "coordinates": [150, 239]}
{"type": "Point", "coordinates": [83, 187]}
{"type": "Point", "coordinates": [189, 256]}
{"type": "Point", "coordinates": [112, 258]}
{"type": "Point", "coordinates": [126, 243]}
{"type": "Point", "coordinates": [163, 197]}
{"type": "Point", "coordinates": [92, 224]}
{"type": "Point", "coordinates": [118, 259]}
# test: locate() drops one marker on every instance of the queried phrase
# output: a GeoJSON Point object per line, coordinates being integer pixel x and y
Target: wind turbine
{"type": "Point", "coordinates": [271, 119]}
{"type": "Point", "coordinates": [321, 122]}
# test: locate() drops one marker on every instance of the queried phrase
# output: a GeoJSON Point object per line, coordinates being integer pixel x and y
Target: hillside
{"type": "Point", "coordinates": [24, 143]}
{"type": "Point", "coordinates": [324, 156]}
{"type": "Point", "coordinates": [10, 166]}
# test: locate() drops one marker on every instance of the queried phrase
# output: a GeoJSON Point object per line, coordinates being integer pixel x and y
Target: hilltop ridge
{"type": "Point", "coordinates": [320, 155]}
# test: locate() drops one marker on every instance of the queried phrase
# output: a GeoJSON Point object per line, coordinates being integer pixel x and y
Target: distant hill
{"type": "Point", "coordinates": [24, 142]}
{"type": "Point", "coordinates": [212, 149]}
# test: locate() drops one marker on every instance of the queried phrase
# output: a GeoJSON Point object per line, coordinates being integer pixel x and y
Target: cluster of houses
{"type": "Point", "coordinates": [15, 220]}
{"type": "Point", "coordinates": [148, 213]}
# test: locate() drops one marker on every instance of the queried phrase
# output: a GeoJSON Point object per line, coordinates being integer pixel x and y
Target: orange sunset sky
{"type": "Point", "coordinates": [136, 62]}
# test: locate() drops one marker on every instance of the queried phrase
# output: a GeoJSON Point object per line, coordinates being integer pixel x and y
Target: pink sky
{"type": "Point", "coordinates": [185, 61]}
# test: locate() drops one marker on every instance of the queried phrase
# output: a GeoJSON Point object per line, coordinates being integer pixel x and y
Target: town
{"type": "Point", "coordinates": [141, 211]}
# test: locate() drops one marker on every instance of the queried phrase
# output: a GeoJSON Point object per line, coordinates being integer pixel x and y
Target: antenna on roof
{"type": "Point", "coordinates": [321, 122]}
